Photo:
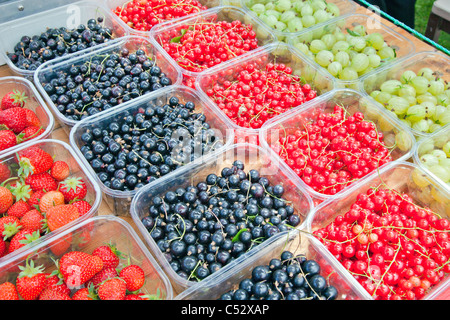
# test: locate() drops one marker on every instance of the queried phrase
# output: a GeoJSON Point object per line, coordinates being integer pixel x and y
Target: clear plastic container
{"type": "Point", "coordinates": [91, 233]}
{"type": "Point", "coordinates": [163, 31]}
{"type": "Point", "coordinates": [64, 152]}
{"type": "Point", "coordinates": [120, 201]}
{"type": "Point", "coordinates": [298, 243]}
{"type": "Point", "coordinates": [346, 7]}
{"type": "Point", "coordinates": [352, 101]}
{"type": "Point", "coordinates": [113, 4]}
{"type": "Point", "coordinates": [403, 46]}
{"type": "Point", "coordinates": [277, 52]}
{"type": "Point", "coordinates": [70, 16]}
{"type": "Point", "coordinates": [49, 70]}
{"type": "Point", "coordinates": [400, 176]}
{"type": "Point", "coordinates": [34, 102]}
{"type": "Point", "coordinates": [253, 157]}
{"type": "Point", "coordinates": [427, 145]}
{"type": "Point", "coordinates": [434, 60]}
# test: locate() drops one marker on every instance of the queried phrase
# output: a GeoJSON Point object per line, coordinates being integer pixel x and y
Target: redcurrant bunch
{"type": "Point", "coordinates": [142, 15]}
{"type": "Point", "coordinates": [333, 150]}
{"type": "Point", "coordinates": [393, 247]}
{"type": "Point", "coordinates": [196, 47]}
{"type": "Point", "coordinates": [259, 94]}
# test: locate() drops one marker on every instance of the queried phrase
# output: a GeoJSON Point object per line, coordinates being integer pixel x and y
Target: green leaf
{"type": "Point", "coordinates": [178, 39]}
{"type": "Point", "coordinates": [236, 237]}
{"type": "Point", "coordinates": [353, 33]}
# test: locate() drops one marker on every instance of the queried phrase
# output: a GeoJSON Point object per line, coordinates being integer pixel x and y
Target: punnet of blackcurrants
{"type": "Point", "coordinates": [204, 227]}
{"type": "Point", "coordinates": [103, 81]}
{"type": "Point", "coordinates": [289, 277]}
{"type": "Point", "coordinates": [136, 148]}
{"type": "Point", "coordinates": [32, 51]}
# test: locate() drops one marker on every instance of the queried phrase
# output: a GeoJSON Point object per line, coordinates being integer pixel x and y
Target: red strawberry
{"type": "Point", "coordinates": [13, 99]}
{"type": "Point", "coordinates": [34, 160]}
{"type": "Point", "coordinates": [8, 291]}
{"type": "Point", "coordinates": [31, 281]}
{"type": "Point", "coordinates": [18, 209]}
{"type": "Point", "coordinates": [73, 189]}
{"type": "Point", "coordinates": [7, 139]}
{"type": "Point", "coordinates": [3, 247]}
{"type": "Point", "coordinates": [32, 118]}
{"type": "Point", "coordinates": [5, 172]}
{"type": "Point", "coordinates": [85, 294]}
{"type": "Point", "coordinates": [77, 267]}
{"type": "Point", "coordinates": [134, 277]}
{"type": "Point", "coordinates": [82, 206]}
{"type": "Point", "coordinates": [31, 132]}
{"type": "Point", "coordinates": [109, 255]}
{"type": "Point", "coordinates": [42, 182]}
{"type": "Point", "coordinates": [136, 296]}
{"type": "Point", "coordinates": [14, 118]}
{"type": "Point", "coordinates": [60, 170]}
{"type": "Point", "coordinates": [6, 199]}
{"type": "Point", "coordinates": [22, 238]}
{"type": "Point", "coordinates": [59, 216]}
{"type": "Point", "coordinates": [104, 274]}
{"type": "Point", "coordinates": [49, 294]}
{"type": "Point", "coordinates": [112, 289]}
{"type": "Point", "coordinates": [33, 220]}
{"type": "Point", "coordinates": [62, 245]}
{"type": "Point", "coordinates": [9, 226]}
{"type": "Point", "coordinates": [35, 198]}
{"type": "Point", "coordinates": [54, 283]}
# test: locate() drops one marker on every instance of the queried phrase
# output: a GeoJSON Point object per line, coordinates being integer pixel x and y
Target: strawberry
{"type": "Point", "coordinates": [3, 247]}
{"type": "Point", "coordinates": [82, 206]}
{"type": "Point", "coordinates": [85, 294]}
{"type": "Point", "coordinates": [8, 291]}
{"type": "Point", "coordinates": [5, 172]}
{"type": "Point", "coordinates": [22, 238]}
{"type": "Point", "coordinates": [104, 274]}
{"type": "Point", "coordinates": [77, 267]}
{"type": "Point", "coordinates": [109, 255]}
{"type": "Point", "coordinates": [112, 289]}
{"type": "Point", "coordinates": [33, 220]}
{"type": "Point", "coordinates": [136, 296]}
{"type": "Point", "coordinates": [50, 199]}
{"type": "Point", "coordinates": [7, 139]}
{"type": "Point", "coordinates": [6, 199]}
{"type": "Point", "coordinates": [60, 170]}
{"type": "Point", "coordinates": [61, 246]}
{"type": "Point", "coordinates": [13, 99]}
{"type": "Point", "coordinates": [31, 132]}
{"type": "Point", "coordinates": [134, 277]}
{"type": "Point", "coordinates": [54, 283]}
{"type": "Point", "coordinates": [41, 181]}
{"type": "Point", "coordinates": [18, 209]}
{"type": "Point", "coordinates": [61, 215]}
{"type": "Point", "coordinates": [31, 281]}
{"type": "Point", "coordinates": [32, 118]}
{"type": "Point", "coordinates": [50, 294]}
{"type": "Point", "coordinates": [9, 226]}
{"type": "Point", "coordinates": [35, 198]}
{"type": "Point", "coordinates": [14, 118]}
{"type": "Point", "coordinates": [34, 160]}
{"type": "Point", "coordinates": [73, 189]}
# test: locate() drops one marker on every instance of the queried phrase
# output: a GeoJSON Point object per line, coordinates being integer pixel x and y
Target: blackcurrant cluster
{"type": "Point", "coordinates": [139, 147]}
{"type": "Point", "coordinates": [104, 81]}
{"type": "Point", "coordinates": [203, 227]}
{"type": "Point", "coordinates": [30, 52]}
{"type": "Point", "coordinates": [290, 277]}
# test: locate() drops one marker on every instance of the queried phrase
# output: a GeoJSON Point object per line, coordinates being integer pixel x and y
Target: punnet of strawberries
{"type": "Point", "coordinates": [104, 274]}
{"type": "Point", "coordinates": [18, 123]}
{"type": "Point", "coordinates": [38, 195]}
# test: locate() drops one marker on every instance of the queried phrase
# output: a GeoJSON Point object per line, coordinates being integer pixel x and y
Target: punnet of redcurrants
{"type": "Point", "coordinates": [142, 15]}
{"type": "Point", "coordinates": [203, 227]}
{"type": "Point", "coordinates": [137, 148]}
{"type": "Point", "coordinates": [334, 150]}
{"type": "Point", "coordinates": [394, 247]}
{"type": "Point", "coordinates": [32, 51]}
{"type": "Point", "coordinates": [257, 94]}
{"type": "Point", "coordinates": [103, 81]}
{"type": "Point", "coordinates": [289, 277]}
